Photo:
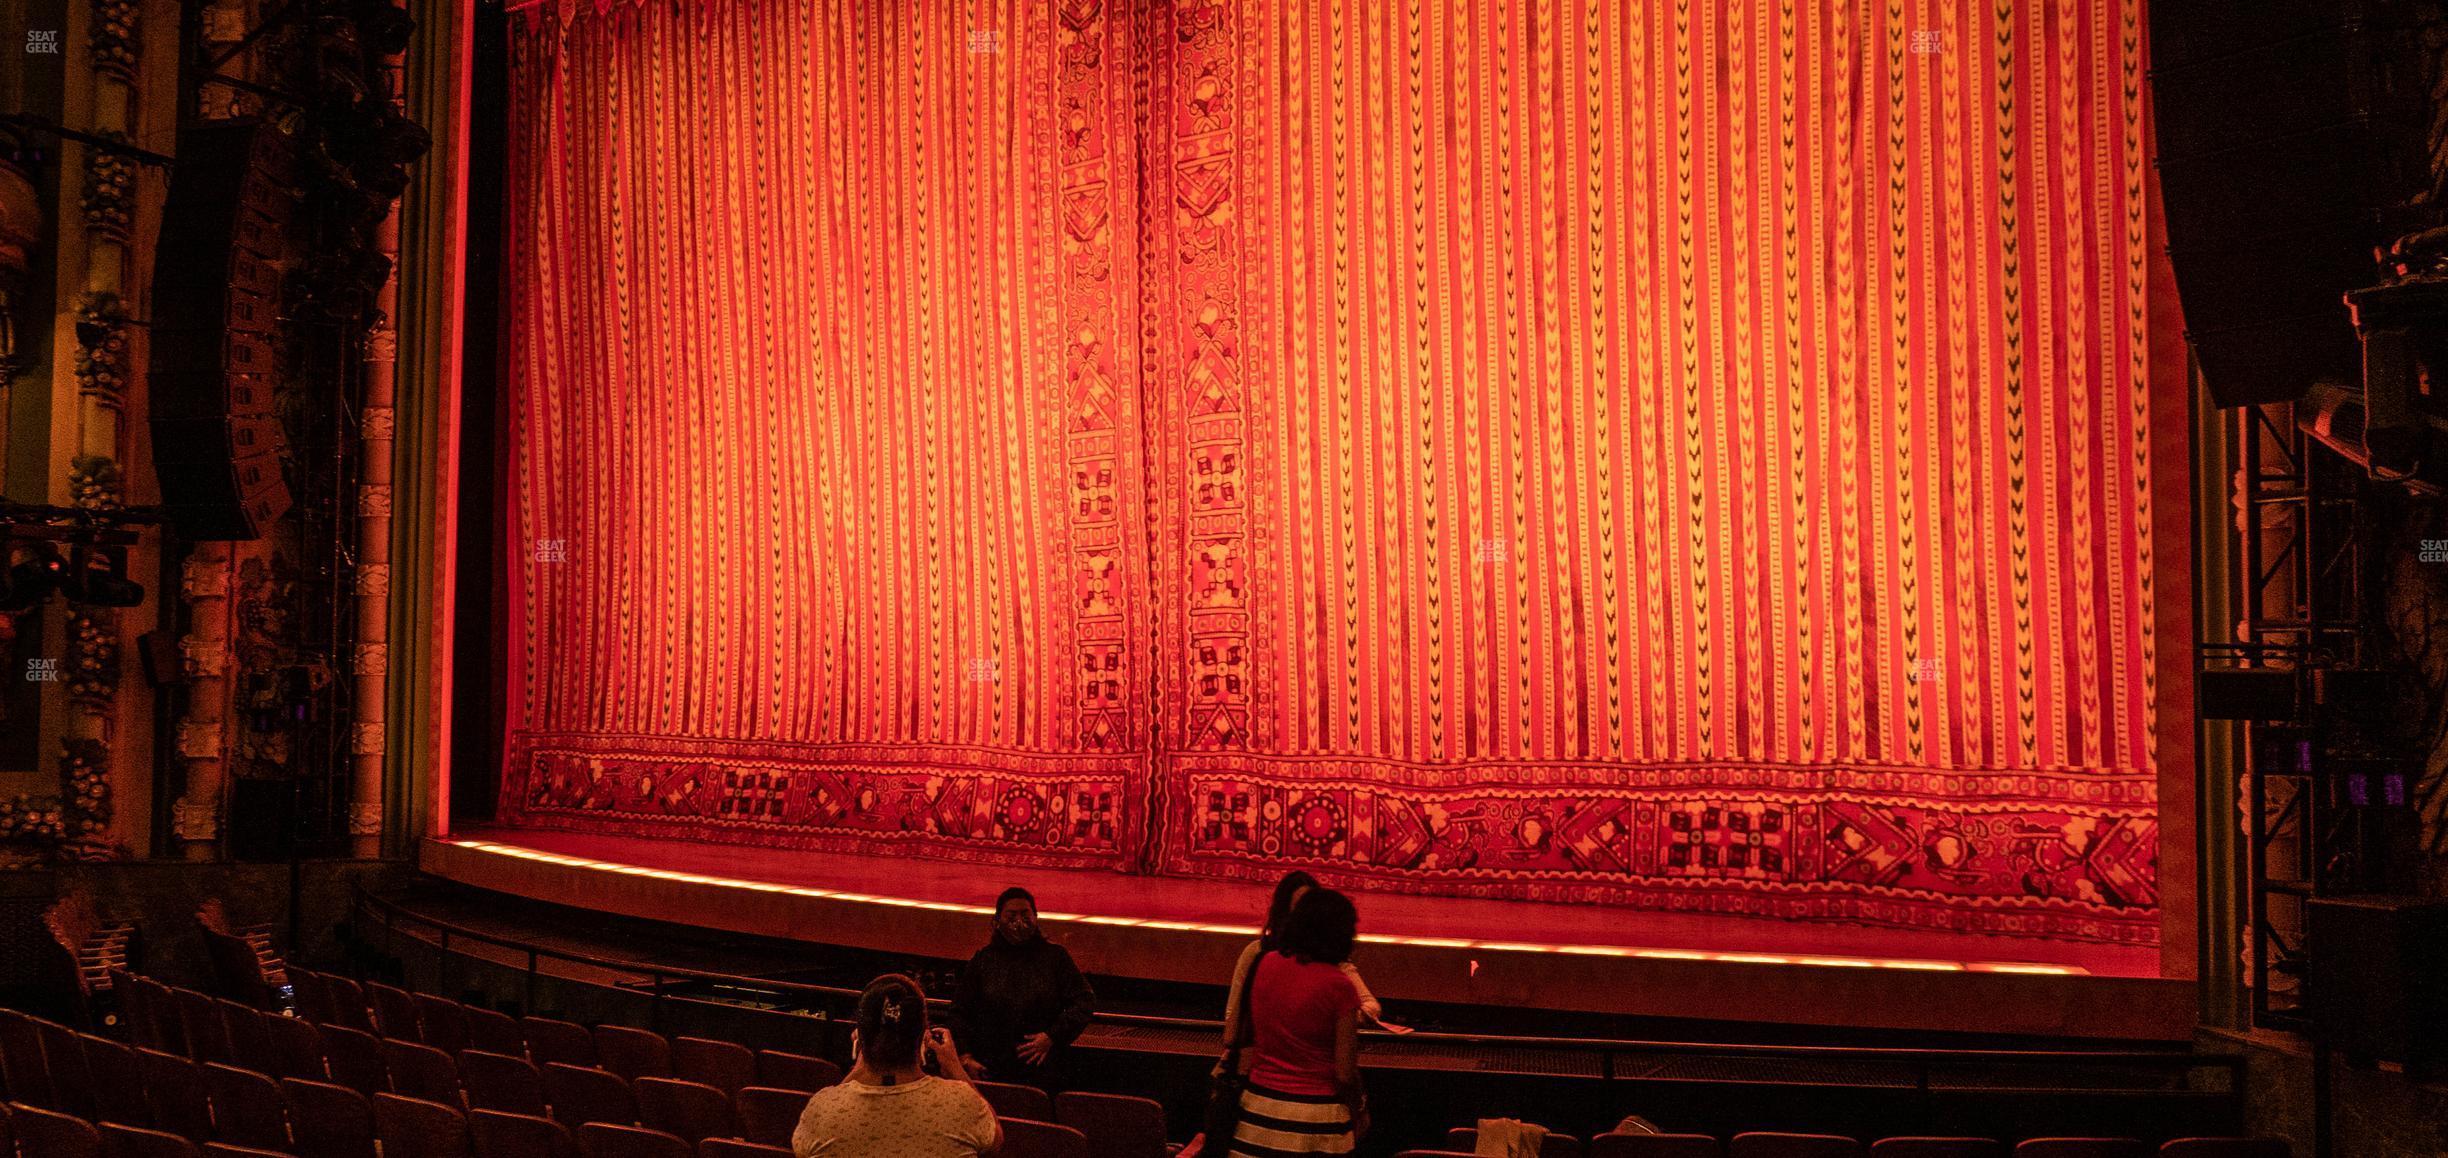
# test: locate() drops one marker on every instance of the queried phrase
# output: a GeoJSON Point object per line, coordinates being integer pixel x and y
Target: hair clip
{"type": "Point", "coordinates": [892, 1010]}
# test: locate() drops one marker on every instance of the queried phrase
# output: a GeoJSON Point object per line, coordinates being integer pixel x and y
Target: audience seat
{"type": "Point", "coordinates": [1466, 1139]}
{"type": "Point", "coordinates": [329, 1121]}
{"type": "Point", "coordinates": [124, 1141]}
{"type": "Point", "coordinates": [2082, 1148]}
{"type": "Point", "coordinates": [2226, 1148]}
{"type": "Point", "coordinates": [1909, 1147]}
{"type": "Point", "coordinates": [511, 1085]}
{"type": "Point", "coordinates": [118, 1096]}
{"type": "Point", "coordinates": [693, 1111]}
{"type": "Point", "coordinates": [225, 1150]}
{"type": "Point", "coordinates": [495, 1032]}
{"type": "Point", "coordinates": [443, 1022]}
{"type": "Point", "coordinates": [1116, 1125]}
{"type": "Point", "coordinates": [1775, 1145]}
{"type": "Point", "coordinates": [53, 1134]}
{"type": "Point", "coordinates": [22, 1069]}
{"type": "Point", "coordinates": [1027, 1138]}
{"type": "Point", "coordinates": [632, 1053]}
{"type": "Point", "coordinates": [550, 1040]}
{"type": "Point", "coordinates": [579, 1096]}
{"type": "Point", "coordinates": [250, 1042]}
{"type": "Point", "coordinates": [421, 1071]}
{"type": "Point", "coordinates": [795, 1071]}
{"type": "Point", "coordinates": [200, 1019]}
{"type": "Point", "coordinates": [768, 1115]}
{"type": "Point", "coordinates": [1017, 1101]}
{"type": "Point", "coordinates": [349, 1006]}
{"type": "Point", "coordinates": [248, 1108]}
{"type": "Point", "coordinates": [72, 1081]}
{"type": "Point", "coordinates": [297, 1048]}
{"type": "Point", "coordinates": [1653, 1146]}
{"type": "Point", "coordinates": [734, 1148]}
{"type": "Point", "coordinates": [174, 1086]}
{"type": "Point", "coordinates": [726, 1066]}
{"type": "Point", "coordinates": [500, 1135]}
{"type": "Point", "coordinates": [416, 1128]}
{"type": "Point", "coordinates": [604, 1140]}
{"type": "Point", "coordinates": [356, 1059]}
{"type": "Point", "coordinates": [395, 1012]}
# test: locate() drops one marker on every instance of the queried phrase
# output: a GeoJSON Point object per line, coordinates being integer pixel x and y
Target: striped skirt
{"type": "Point", "coordinates": [1273, 1125]}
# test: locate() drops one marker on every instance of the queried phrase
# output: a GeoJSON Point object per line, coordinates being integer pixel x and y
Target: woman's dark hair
{"type": "Point", "coordinates": [1281, 907]}
{"type": "Point", "coordinates": [1320, 928]}
{"type": "Point", "coordinates": [892, 1021]}
{"type": "Point", "coordinates": [1014, 893]}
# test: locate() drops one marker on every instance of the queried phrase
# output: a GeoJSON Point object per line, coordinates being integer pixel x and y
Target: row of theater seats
{"type": "Point", "coordinates": [221, 1072]}
{"type": "Point", "coordinates": [1462, 1141]}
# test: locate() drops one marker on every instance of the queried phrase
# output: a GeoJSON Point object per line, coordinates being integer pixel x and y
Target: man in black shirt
{"type": "Point", "coordinates": [1022, 1001]}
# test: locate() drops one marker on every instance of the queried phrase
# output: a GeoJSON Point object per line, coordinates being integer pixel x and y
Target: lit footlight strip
{"type": "Point", "coordinates": [1727, 957]}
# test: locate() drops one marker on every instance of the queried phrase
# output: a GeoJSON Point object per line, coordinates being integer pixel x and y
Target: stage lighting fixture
{"type": "Point", "coordinates": [33, 574]}
{"type": "Point", "coordinates": [100, 580]}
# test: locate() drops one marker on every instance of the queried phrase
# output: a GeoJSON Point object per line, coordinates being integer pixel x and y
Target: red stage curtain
{"type": "Point", "coordinates": [1692, 455]}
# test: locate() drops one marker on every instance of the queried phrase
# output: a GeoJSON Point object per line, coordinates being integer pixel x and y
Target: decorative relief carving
{"type": "Point", "coordinates": [366, 739]}
{"type": "Point", "coordinates": [381, 343]}
{"type": "Point", "coordinates": [102, 348]}
{"type": "Point", "coordinates": [375, 422]}
{"type": "Point", "coordinates": [374, 501]}
{"type": "Point", "coordinates": [365, 819]}
{"type": "Point", "coordinates": [112, 38]}
{"type": "Point", "coordinates": [204, 579]}
{"type": "Point", "coordinates": [374, 580]}
{"type": "Point", "coordinates": [110, 192]}
{"type": "Point", "coordinates": [204, 658]}
{"type": "Point", "coordinates": [372, 658]}
{"type": "Point", "coordinates": [194, 820]}
{"type": "Point", "coordinates": [200, 740]}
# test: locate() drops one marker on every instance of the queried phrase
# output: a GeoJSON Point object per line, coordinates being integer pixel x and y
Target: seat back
{"type": "Point", "coordinates": [500, 1135]}
{"type": "Point", "coordinates": [510, 1085]}
{"type": "Point", "coordinates": [349, 1006]}
{"type": "Point", "coordinates": [1024, 1138]}
{"type": "Point", "coordinates": [23, 1071]}
{"type": "Point", "coordinates": [162, 1027]}
{"type": "Point", "coordinates": [174, 1087]}
{"type": "Point", "coordinates": [416, 1128]}
{"type": "Point", "coordinates": [200, 1020]}
{"type": "Point", "coordinates": [124, 1141]}
{"type": "Point", "coordinates": [605, 1140]}
{"type": "Point", "coordinates": [2082, 1148]}
{"type": "Point", "coordinates": [118, 1095]}
{"type": "Point", "coordinates": [724, 1065]}
{"type": "Point", "coordinates": [72, 1081]}
{"type": "Point", "coordinates": [692, 1110]}
{"type": "Point", "coordinates": [297, 1047]}
{"type": "Point", "coordinates": [2226, 1148]}
{"type": "Point", "coordinates": [356, 1059]}
{"type": "Point", "coordinates": [225, 1150]}
{"type": "Point", "coordinates": [328, 1120]}
{"type": "Point", "coordinates": [250, 1042]}
{"type": "Point", "coordinates": [1937, 1148]}
{"type": "Point", "coordinates": [579, 1096]}
{"type": "Point", "coordinates": [768, 1115]}
{"type": "Point", "coordinates": [395, 1012]}
{"type": "Point", "coordinates": [248, 1109]}
{"type": "Point", "coordinates": [1017, 1101]}
{"type": "Point", "coordinates": [1653, 1146]}
{"type": "Point", "coordinates": [783, 1070]}
{"type": "Point", "coordinates": [1775, 1145]}
{"type": "Point", "coordinates": [443, 1021]}
{"type": "Point", "coordinates": [632, 1053]}
{"type": "Point", "coordinates": [552, 1040]}
{"type": "Point", "coordinates": [494, 1032]}
{"type": "Point", "coordinates": [1466, 1140]}
{"type": "Point", "coordinates": [53, 1134]}
{"type": "Point", "coordinates": [421, 1071]}
{"type": "Point", "coordinates": [734, 1148]}
{"type": "Point", "coordinates": [1116, 1125]}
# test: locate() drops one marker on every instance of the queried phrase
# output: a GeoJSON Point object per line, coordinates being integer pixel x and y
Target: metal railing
{"type": "Point", "coordinates": [1608, 1059]}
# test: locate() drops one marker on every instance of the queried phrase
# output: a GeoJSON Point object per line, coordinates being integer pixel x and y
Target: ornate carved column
{"type": "Point", "coordinates": [203, 741]}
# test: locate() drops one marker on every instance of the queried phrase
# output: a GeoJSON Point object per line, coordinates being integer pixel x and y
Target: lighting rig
{"type": "Point", "coordinates": [79, 555]}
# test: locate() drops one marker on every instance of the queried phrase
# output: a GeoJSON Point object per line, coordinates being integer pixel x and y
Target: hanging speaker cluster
{"type": "Point", "coordinates": [216, 327]}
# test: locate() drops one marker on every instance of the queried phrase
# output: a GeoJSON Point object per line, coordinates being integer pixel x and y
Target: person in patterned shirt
{"type": "Point", "coordinates": [888, 1106]}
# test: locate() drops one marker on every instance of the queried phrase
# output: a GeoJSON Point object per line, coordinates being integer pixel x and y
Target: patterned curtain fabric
{"type": "Point", "coordinates": [1687, 455]}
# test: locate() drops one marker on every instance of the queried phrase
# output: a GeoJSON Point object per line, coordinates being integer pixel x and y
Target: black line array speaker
{"type": "Point", "coordinates": [2290, 135]}
{"type": "Point", "coordinates": [2375, 983]}
{"type": "Point", "coordinates": [216, 306]}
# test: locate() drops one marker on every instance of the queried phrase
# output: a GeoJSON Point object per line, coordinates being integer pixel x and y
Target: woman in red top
{"type": "Point", "coordinates": [1304, 1094]}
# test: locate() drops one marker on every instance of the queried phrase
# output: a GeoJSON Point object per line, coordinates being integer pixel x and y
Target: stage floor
{"type": "Point", "coordinates": [1419, 948]}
